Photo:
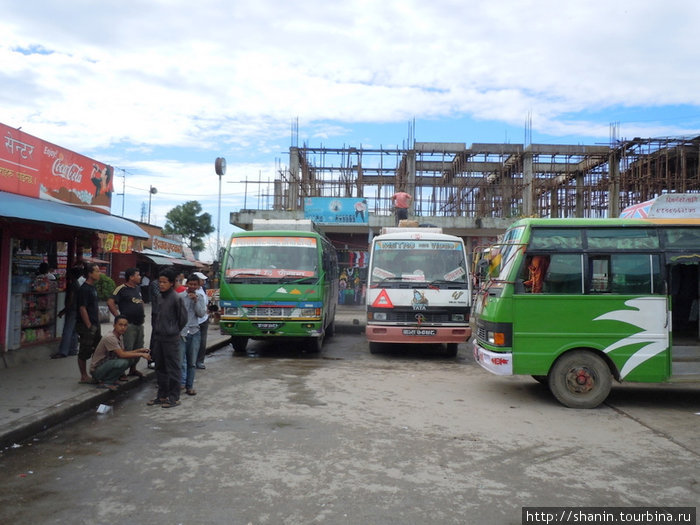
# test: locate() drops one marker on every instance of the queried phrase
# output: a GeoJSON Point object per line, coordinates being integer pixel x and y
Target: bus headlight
{"type": "Point", "coordinates": [233, 311]}
{"type": "Point", "coordinates": [458, 318]}
{"type": "Point", "coordinates": [379, 316]}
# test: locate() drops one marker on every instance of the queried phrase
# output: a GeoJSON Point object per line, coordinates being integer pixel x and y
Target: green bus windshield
{"type": "Point", "coordinates": [282, 258]}
{"type": "Point", "coordinates": [504, 255]}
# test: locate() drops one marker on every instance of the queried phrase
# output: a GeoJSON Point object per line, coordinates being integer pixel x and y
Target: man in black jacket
{"type": "Point", "coordinates": [165, 350]}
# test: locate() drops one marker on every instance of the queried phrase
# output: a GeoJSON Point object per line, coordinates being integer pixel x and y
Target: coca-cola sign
{"type": "Point", "coordinates": [36, 168]}
{"type": "Point", "coordinates": [72, 172]}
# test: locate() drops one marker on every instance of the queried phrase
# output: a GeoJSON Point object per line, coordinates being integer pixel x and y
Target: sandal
{"type": "Point", "coordinates": [170, 404]}
{"type": "Point", "coordinates": [191, 392]}
{"type": "Point", "coordinates": [135, 373]}
{"type": "Point", "coordinates": [108, 386]}
{"type": "Point", "coordinates": [157, 401]}
{"type": "Point", "coordinates": [123, 378]}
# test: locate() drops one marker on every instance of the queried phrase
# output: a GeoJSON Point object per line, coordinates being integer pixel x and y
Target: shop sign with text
{"type": "Point", "coordinates": [35, 168]}
{"type": "Point", "coordinates": [166, 246]}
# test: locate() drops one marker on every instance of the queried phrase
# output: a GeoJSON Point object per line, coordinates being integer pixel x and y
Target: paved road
{"type": "Point", "coordinates": [347, 437]}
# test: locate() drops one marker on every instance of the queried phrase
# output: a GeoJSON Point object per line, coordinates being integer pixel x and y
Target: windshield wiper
{"type": "Point", "coordinates": [438, 282]}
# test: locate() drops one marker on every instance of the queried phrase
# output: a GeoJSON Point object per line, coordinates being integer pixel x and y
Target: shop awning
{"type": "Point", "coordinates": [29, 209]}
{"type": "Point", "coordinates": [157, 259]}
{"type": "Point", "coordinates": [184, 262]}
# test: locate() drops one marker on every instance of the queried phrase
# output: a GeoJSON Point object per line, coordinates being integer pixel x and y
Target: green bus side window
{"type": "Point", "coordinates": [564, 275]}
{"type": "Point", "coordinates": [632, 274]}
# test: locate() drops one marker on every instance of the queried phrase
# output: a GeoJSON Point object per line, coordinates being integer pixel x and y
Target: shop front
{"type": "Point", "coordinates": [54, 215]}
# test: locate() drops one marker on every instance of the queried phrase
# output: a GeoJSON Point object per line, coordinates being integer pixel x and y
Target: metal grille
{"type": "Point", "coordinates": [412, 317]}
{"type": "Point", "coordinates": [268, 312]}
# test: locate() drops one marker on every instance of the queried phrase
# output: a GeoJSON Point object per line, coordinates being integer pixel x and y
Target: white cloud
{"type": "Point", "coordinates": [226, 78]}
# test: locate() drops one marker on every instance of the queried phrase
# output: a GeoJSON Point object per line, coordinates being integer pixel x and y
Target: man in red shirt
{"type": "Point", "coordinates": [402, 201]}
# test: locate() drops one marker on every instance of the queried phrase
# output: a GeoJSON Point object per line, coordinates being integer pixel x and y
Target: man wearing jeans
{"type": "Point", "coordinates": [69, 338]}
{"type": "Point", "coordinates": [126, 300]}
{"type": "Point", "coordinates": [196, 306]}
{"type": "Point", "coordinates": [203, 323]}
{"type": "Point", "coordinates": [88, 325]}
{"type": "Point", "coordinates": [110, 359]}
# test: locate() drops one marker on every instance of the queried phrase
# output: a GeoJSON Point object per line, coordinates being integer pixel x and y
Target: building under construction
{"type": "Point", "coordinates": [487, 186]}
{"type": "Point", "coordinates": [474, 192]}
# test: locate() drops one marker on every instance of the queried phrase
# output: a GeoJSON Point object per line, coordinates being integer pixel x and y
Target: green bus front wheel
{"type": "Point", "coordinates": [580, 379]}
{"type": "Point", "coordinates": [239, 344]}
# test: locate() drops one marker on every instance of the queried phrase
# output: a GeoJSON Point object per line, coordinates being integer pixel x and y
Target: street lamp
{"type": "Point", "coordinates": [220, 168]}
{"type": "Point", "coordinates": [152, 191]}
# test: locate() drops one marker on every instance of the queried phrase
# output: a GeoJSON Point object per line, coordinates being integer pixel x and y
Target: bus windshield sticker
{"type": "Point", "coordinates": [303, 242]}
{"type": "Point", "coordinates": [267, 272]}
{"type": "Point", "coordinates": [412, 245]}
{"type": "Point", "coordinates": [454, 274]}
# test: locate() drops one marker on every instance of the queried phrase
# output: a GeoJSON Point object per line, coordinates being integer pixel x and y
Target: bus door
{"type": "Point", "coordinates": [684, 291]}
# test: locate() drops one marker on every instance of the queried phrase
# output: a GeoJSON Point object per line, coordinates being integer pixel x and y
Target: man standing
{"type": "Point", "coordinates": [88, 325]}
{"type": "Point", "coordinates": [69, 337]}
{"type": "Point", "coordinates": [145, 288]}
{"type": "Point", "coordinates": [196, 306]}
{"type": "Point", "coordinates": [402, 201]}
{"type": "Point", "coordinates": [126, 300]}
{"type": "Point", "coordinates": [169, 321]}
{"type": "Point", "coordinates": [110, 359]}
{"type": "Point", "coordinates": [203, 323]}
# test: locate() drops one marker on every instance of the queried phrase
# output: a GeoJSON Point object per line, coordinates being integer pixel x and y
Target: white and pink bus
{"type": "Point", "coordinates": [419, 289]}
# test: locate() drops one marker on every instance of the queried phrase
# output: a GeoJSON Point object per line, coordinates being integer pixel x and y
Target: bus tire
{"type": "Point", "coordinates": [374, 348]}
{"type": "Point", "coordinates": [330, 329]}
{"type": "Point", "coordinates": [314, 344]}
{"type": "Point", "coordinates": [239, 344]}
{"type": "Point", "coordinates": [580, 379]}
{"type": "Point", "coordinates": [451, 349]}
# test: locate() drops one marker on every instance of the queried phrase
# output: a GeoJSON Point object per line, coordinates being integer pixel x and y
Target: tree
{"type": "Point", "coordinates": [188, 221]}
{"type": "Point", "coordinates": [105, 286]}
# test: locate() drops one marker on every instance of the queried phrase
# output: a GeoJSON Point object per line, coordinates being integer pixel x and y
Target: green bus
{"type": "Point", "coordinates": [576, 303]}
{"type": "Point", "coordinates": [279, 284]}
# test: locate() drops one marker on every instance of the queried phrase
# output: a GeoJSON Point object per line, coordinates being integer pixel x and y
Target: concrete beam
{"type": "Point", "coordinates": [460, 226]}
{"type": "Point", "coordinates": [440, 147]}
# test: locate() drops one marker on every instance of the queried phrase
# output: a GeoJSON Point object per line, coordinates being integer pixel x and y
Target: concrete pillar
{"type": "Point", "coordinates": [507, 195]}
{"type": "Point", "coordinates": [411, 182]}
{"type": "Point", "coordinates": [579, 195]}
{"type": "Point", "coordinates": [278, 199]}
{"type": "Point", "coordinates": [294, 180]}
{"type": "Point", "coordinates": [614, 184]}
{"type": "Point", "coordinates": [528, 178]}
{"type": "Point", "coordinates": [554, 202]}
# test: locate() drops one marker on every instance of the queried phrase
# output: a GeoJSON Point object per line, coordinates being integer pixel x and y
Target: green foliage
{"type": "Point", "coordinates": [105, 287]}
{"type": "Point", "coordinates": [188, 221]}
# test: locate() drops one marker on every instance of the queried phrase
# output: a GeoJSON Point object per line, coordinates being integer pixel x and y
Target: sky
{"type": "Point", "coordinates": [159, 89]}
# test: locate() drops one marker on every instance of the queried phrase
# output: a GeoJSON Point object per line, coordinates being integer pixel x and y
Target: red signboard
{"type": "Point", "coordinates": [115, 243]}
{"type": "Point", "coordinates": [36, 168]}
